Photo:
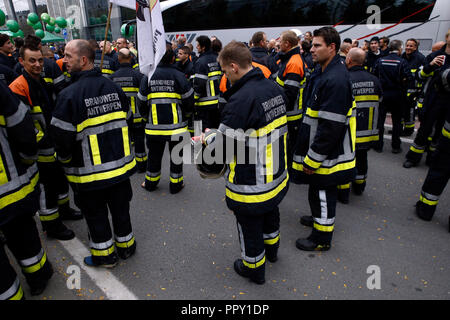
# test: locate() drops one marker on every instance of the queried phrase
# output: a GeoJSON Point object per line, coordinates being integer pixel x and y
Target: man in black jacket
{"type": "Point", "coordinates": [90, 127]}
{"type": "Point", "coordinates": [129, 80]}
{"type": "Point", "coordinates": [415, 60]}
{"type": "Point", "coordinates": [260, 52]}
{"type": "Point", "coordinates": [207, 75]}
{"type": "Point", "coordinates": [254, 118]}
{"type": "Point", "coordinates": [394, 75]}
{"type": "Point", "coordinates": [6, 51]}
{"type": "Point", "coordinates": [324, 155]}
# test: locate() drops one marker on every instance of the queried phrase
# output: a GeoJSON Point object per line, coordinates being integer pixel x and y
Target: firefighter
{"type": "Point", "coordinates": [129, 80]}
{"type": "Point", "coordinates": [207, 74]}
{"type": "Point", "coordinates": [367, 93]}
{"type": "Point", "coordinates": [184, 63]}
{"type": "Point", "coordinates": [260, 53]}
{"type": "Point", "coordinates": [292, 78]}
{"type": "Point", "coordinates": [415, 59]}
{"type": "Point", "coordinates": [110, 63]}
{"type": "Point", "coordinates": [394, 75]}
{"type": "Point", "coordinates": [90, 127]}
{"type": "Point", "coordinates": [253, 121]}
{"type": "Point", "coordinates": [439, 172]}
{"type": "Point", "coordinates": [31, 89]}
{"type": "Point", "coordinates": [435, 106]}
{"type": "Point", "coordinates": [6, 51]}
{"type": "Point", "coordinates": [122, 43]}
{"type": "Point", "coordinates": [373, 54]}
{"type": "Point", "coordinates": [19, 200]}
{"type": "Point", "coordinates": [7, 75]}
{"type": "Point", "coordinates": [325, 152]}
{"type": "Point", "coordinates": [164, 102]}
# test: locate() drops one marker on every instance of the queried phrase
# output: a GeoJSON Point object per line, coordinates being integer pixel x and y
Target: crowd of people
{"type": "Point", "coordinates": [302, 109]}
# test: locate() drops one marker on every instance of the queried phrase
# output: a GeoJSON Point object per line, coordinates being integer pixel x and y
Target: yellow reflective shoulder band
{"type": "Point", "coordinates": [280, 82]}
{"type": "Point", "coordinates": [136, 66]}
{"type": "Point", "coordinates": [445, 133]}
{"type": "Point", "coordinates": [101, 119]}
{"type": "Point", "coordinates": [48, 80]}
{"type": "Point", "coordinates": [107, 71]}
{"type": "Point", "coordinates": [35, 110]}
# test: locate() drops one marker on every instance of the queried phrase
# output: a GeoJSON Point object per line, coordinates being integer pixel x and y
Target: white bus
{"type": "Point", "coordinates": [425, 20]}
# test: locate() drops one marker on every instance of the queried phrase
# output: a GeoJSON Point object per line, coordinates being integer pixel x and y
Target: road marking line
{"type": "Point", "coordinates": [104, 279]}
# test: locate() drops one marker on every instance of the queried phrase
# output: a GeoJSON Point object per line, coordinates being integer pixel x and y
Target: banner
{"type": "Point", "coordinates": [151, 37]}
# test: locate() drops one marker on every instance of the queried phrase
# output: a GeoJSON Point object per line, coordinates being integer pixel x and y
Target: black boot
{"type": "Point", "coordinates": [125, 253]}
{"type": "Point", "coordinates": [358, 188]}
{"type": "Point", "coordinates": [272, 251]}
{"type": "Point", "coordinates": [344, 195]}
{"type": "Point", "coordinates": [176, 187]}
{"type": "Point", "coordinates": [68, 213]}
{"type": "Point", "coordinates": [57, 230]}
{"type": "Point", "coordinates": [307, 221]}
{"type": "Point", "coordinates": [310, 244]}
{"type": "Point", "coordinates": [106, 262]}
{"type": "Point", "coordinates": [424, 211]}
{"type": "Point", "coordinates": [257, 275]}
{"type": "Point", "coordinates": [38, 285]}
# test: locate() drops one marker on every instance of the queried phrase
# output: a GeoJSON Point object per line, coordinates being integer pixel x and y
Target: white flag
{"type": "Point", "coordinates": [151, 38]}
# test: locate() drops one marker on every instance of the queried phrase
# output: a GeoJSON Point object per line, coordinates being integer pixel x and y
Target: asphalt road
{"type": "Point", "coordinates": [186, 245]}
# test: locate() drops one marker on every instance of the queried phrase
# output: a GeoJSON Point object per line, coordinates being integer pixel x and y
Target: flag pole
{"type": "Point", "coordinates": [106, 34]}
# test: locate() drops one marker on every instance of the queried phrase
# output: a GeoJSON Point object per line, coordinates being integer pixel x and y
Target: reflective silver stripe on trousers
{"type": "Point", "coordinates": [11, 291]}
{"type": "Point", "coordinates": [430, 196]}
{"type": "Point", "coordinates": [153, 174]}
{"type": "Point", "coordinates": [251, 260]}
{"type": "Point", "coordinates": [176, 175]}
{"type": "Point", "coordinates": [101, 245]}
{"type": "Point", "coordinates": [329, 163]}
{"type": "Point", "coordinates": [323, 220]}
{"type": "Point", "coordinates": [124, 239]}
{"type": "Point", "coordinates": [272, 235]}
{"type": "Point", "coordinates": [33, 260]}
{"type": "Point", "coordinates": [361, 177]}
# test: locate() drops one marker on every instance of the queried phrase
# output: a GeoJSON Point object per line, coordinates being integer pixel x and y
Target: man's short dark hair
{"type": "Point", "coordinates": [3, 39]}
{"type": "Point", "coordinates": [375, 39]}
{"type": "Point", "coordinates": [385, 40]}
{"type": "Point", "coordinates": [257, 38]}
{"type": "Point", "coordinates": [329, 35]}
{"type": "Point", "coordinates": [185, 49]}
{"type": "Point", "coordinates": [32, 40]}
{"type": "Point", "coordinates": [306, 46]}
{"type": "Point", "coordinates": [28, 46]}
{"type": "Point", "coordinates": [413, 40]}
{"type": "Point", "coordinates": [18, 42]}
{"type": "Point", "coordinates": [348, 40]}
{"type": "Point", "coordinates": [204, 42]}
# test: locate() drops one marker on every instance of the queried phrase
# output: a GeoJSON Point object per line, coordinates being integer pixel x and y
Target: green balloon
{"type": "Point", "coordinates": [103, 18]}
{"type": "Point", "coordinates": [98, 20]}
{"type": "Point", "coordinates": [57, 30]}
{"type": "Point", "coordinates": [40, 33]}
{"type": "Point", "coordinates": [37, 26]}
{"type": "Point", "coordinates": [45, 17]}
{"type": "Point", "coordinates": [49, 28]}
{"type": "Point", "coordinates": [2, 18]}
{"type": "Point", "coordinates": [130, 30]}
{"type": "Point", "coordinates": [19, 34]}
{"type": "Point", "coordinates": [33, 17]}
{"type": "Point", "coordinates": [12, 25]}
{"type": "Point", "coordinates": [61, 22]}
{"type": "Point", "coordinates": [30, 23]}
{"type": "Point", "coordinates": [52, 21]}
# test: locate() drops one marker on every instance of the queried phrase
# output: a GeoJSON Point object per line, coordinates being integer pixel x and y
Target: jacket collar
{"type": "Point", "coordinates": [335, 61]}
{"type": "Point", "coordinates": [255, 73]}
{"type": "Point", "coordinates": [88, 73]}
{"type": "Point", "coordinates": [290, 53]}
{"type": "Point", "coordinates": [356, 68]}
{"type": "Point", "coordinates": [125, 65]}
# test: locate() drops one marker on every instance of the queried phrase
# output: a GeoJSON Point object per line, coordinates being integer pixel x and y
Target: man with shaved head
{"type": "Point", "coordinates": [367, 92]}
{"type": "Point", "coordinates": [122, 43]}
{"type": "Point", "coordinates": [129, 79]}
{"type": "Point", "coordinates": [90, 127]}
